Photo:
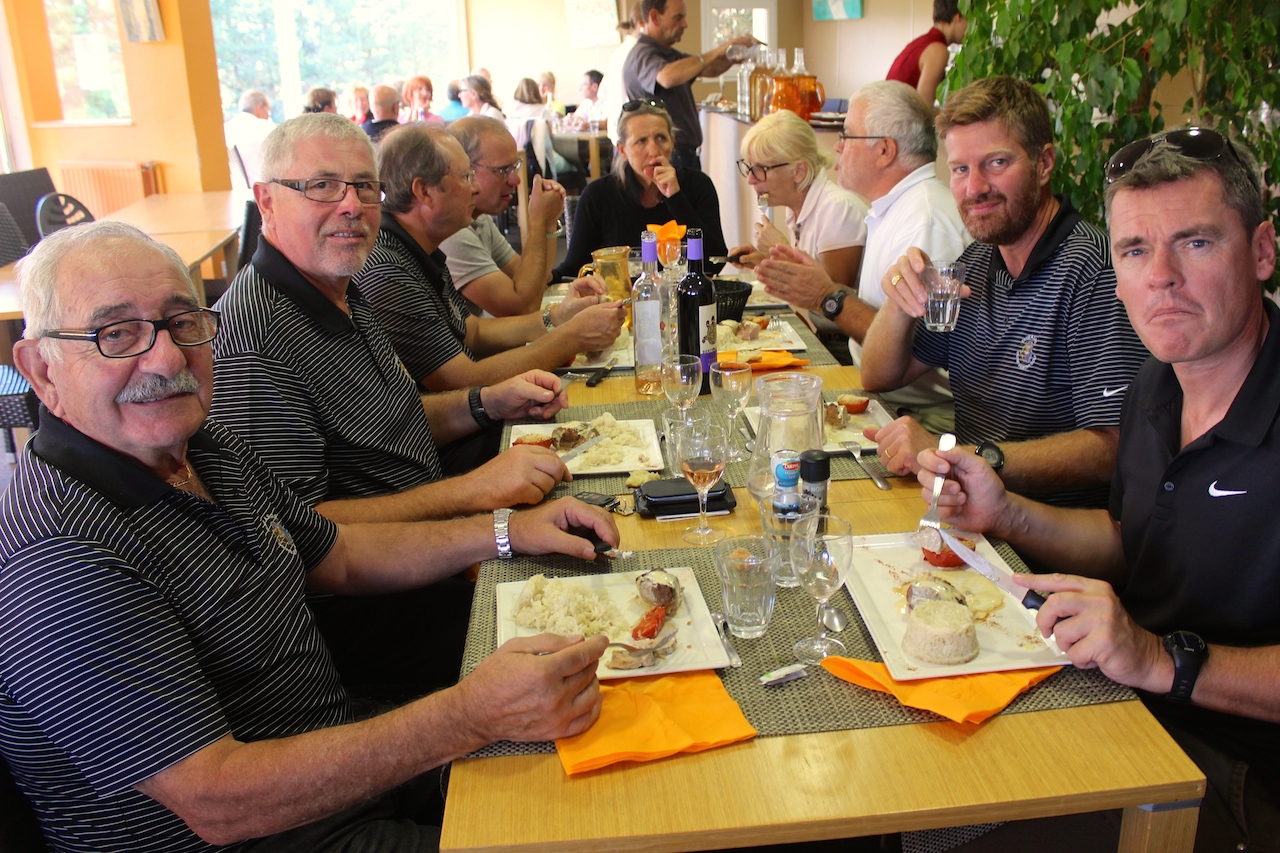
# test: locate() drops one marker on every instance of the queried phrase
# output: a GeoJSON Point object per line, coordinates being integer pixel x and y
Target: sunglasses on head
{"type": "Point", "coordinates": [1197, 143]}
{"type": "Point", "coordinates": [632, 106]}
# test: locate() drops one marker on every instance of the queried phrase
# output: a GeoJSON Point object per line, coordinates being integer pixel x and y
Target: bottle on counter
{"type": "Point", "coordinates": [647, 319]}
{"type": "Point", "coordinates": [761, 81]}
{"type": "Point", "coordinates": [696, 310]}
{"type": "Point", "coordinates": [745, 69]}
{"type": "Point", "coordinates": [815, 475]}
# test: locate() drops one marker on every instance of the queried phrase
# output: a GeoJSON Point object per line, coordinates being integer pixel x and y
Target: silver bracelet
{"type": "Point", "coordinates": [502, 532]}
{"type": "Point", "coordinates": [546, 319]}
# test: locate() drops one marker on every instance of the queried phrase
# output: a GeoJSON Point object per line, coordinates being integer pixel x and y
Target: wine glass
{"type": "Point", "coordinates": [671, 253]}
{"type": "Point", "coordinates": [821, 549]}
{"type": "Point", "coordinates": [703, 454]}
{"type": "Point", "coordinates": [682, 379]}
{"type": "Point", "coordinates": [731, 388]}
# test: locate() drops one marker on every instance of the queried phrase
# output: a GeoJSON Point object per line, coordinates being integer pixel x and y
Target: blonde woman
{"type": "Point", "coordinates": [780, 156]}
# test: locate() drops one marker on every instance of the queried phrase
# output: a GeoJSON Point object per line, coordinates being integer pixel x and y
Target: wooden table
{"type": "Point", "coordinates": [166, 213]}
{"type": "Point", "coordinates": [835, 784]}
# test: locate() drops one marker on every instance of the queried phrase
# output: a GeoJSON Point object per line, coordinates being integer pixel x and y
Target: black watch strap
{"type": "Point", "coordinates": [833, 304]}
{"type": "Point", "coordinates": [991, 452]}
{"type": "Point", "coordinates": [1189, 652]}
{"type": "Point", "coordinates": [478, 413]}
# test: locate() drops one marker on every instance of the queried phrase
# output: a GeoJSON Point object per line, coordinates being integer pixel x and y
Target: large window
{"type": "Point", "coordinates": [285, 47]}
{"type": "Point", "coordinates": [85, 38]}
{"type": "Point", "coordinates": [724, 19]}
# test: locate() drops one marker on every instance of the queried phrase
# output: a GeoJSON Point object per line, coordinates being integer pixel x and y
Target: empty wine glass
{"type": "Point", "coordinates": [731, 388]}
{"type": "Point", "coordinates": [821, 549]}
{"type": "Point", "coordinates": [672, 255]}
{"type": "Point", "coordinates": [682, 379]}
{"type": "Point", "coordinates": [703, 454]}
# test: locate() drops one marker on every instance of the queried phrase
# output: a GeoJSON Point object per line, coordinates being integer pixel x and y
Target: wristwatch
{"type": "Point", "coordinates": [992, 454]}
{"type": "Point", "coordinates": [833, 304]}
{"type": "Point", "coordinates": [502, 532]}
{"type": "Point", "coordinates": [1189, 652]}
{"type": "Point", "coordinates": [478, 414]}
{"type": "Point", "coordinates": [546, 319]}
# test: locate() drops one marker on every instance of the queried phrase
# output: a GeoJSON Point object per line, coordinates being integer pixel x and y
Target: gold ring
{"type": "Point", "coordinates": [897, 277]}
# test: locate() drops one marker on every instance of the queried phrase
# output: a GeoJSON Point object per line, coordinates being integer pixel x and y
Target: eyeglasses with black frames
{"type": "Point", "coordinates": [333, 190]}
{"type": "Point", "coordinates": [759, 172]}
{"type": "Point", "coordinates": [129, 338]}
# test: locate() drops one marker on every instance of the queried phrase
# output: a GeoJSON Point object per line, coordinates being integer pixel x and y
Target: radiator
{"type": "Point", "coordinates": [105, 186]}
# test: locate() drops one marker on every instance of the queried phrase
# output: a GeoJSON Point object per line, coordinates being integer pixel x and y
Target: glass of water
{"type": "Point", "coordinates": [942, 283]}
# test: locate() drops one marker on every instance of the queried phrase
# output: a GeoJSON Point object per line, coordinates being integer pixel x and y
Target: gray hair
{"type": "Point", "coordinates": [624, 120]}
{"type": "Point", "coordinates": [37, 273]}
{"type": "Point", "coordinates": [411, 151]}
{"type": "Point", "coordinates": [472, 131]}
{"type": "Point", "coordinates": [897, 111]}
{"type": "Point", "coordinates": [784, 137]}
{"type": "Point", "coordinates": [253, 99]}
{"type": "Point", "coordinates": [278, 148]}
{"type": "Point", "coordinates": [1164, 164]}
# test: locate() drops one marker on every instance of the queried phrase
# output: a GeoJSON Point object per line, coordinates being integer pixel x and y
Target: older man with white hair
{"type": "Point", "coordinates": [246, 130]}
{"type": "Point", "coordinates": [165, 686]}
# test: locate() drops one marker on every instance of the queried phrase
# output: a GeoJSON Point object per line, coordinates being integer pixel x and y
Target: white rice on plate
{"type": "Point", "coordinates": [564, 607]}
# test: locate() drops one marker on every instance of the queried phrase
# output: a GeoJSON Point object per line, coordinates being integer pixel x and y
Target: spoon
{"type": "Point", "coordinates": [833, 619]}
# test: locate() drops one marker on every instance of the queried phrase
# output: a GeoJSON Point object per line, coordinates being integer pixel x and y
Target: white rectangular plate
{"type": "Point", "coordinates": [651, 450]}
{"type": "Point", "coordinates": [761, 299]}
{"type": "Point", "coordinates": [882, 565]}
{"type": "Point", "coordinates": [621, 348]}
{"type": "Point", "coordinates": [780, 335]}
{"type": "Point", "coordinates": [874, 416]}
{"type": "Point", "coordinates": [698, 645]}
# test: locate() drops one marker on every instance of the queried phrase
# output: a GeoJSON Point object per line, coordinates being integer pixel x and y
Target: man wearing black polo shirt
{"type": "Point", "coordinates": [1182, 598]}
{"type": "Point", "coordinates": [655, 69]}
{"type": "Point", "coordinates": [164, 685]}
{"type": "Point", "coordinates": [1042, 351]}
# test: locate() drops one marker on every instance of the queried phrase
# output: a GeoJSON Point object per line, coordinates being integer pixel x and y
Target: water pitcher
{"type": "Point", "coordinates": [790, 419]}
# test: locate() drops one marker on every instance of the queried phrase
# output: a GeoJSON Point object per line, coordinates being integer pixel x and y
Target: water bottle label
{"type": "Point", "coordinates": [647, 325]}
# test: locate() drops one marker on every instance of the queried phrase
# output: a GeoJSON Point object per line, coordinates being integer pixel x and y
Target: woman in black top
{"type": "Point", "coordinates": [644, 189]}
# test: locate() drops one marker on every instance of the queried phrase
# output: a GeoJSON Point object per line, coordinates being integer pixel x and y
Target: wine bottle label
{"type": "Point", "coordinates": [707, 338]}
{"type": "Point", "coordinates": [647, 325]}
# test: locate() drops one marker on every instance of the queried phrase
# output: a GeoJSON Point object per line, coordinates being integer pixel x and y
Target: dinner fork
{"type": "Point", "coordinates": [668, 642]}
{"type": "Point", "coordinates": [927, 532]}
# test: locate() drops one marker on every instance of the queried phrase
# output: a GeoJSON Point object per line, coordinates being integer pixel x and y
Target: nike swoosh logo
{"type": "Point", "coordinates": [1111, 392]}
{"type": "Point", "coordinates": [1215, 492]}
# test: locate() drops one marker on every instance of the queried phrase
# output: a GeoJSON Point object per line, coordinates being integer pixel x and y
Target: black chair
{"type": "Point", "coordinates": [19, 408]}
{"type": "Point", "coordinates": [12, 244]}
{"type": "Point", "coordinates": [238, 172]}
{"type": "Point", "coordinates": [56, 211]}
{"type": "Point", "coordinates": [249, 231]}
{"type": "Point", "coordinates": [21, 192]}
{"type": "Point", "coordinates": [19, 831]}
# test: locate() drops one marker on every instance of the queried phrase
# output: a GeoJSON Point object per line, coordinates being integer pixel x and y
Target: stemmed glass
{"type": "Point", "coordinates": [681, 379]}
{"type": "Point", "coordinates": [821, 549]}
{"type": "Point", "coordinates": [703, 454]}
{"type": "Point", "coordinates": [731, 388]}
{"type": "Point", "coordinates": [671, 253]}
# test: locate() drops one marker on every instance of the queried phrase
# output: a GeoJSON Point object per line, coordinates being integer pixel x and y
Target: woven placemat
{"type": "Point", "coordinates": [818, 703]}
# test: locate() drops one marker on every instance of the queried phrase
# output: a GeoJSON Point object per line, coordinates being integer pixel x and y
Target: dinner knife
{"type": "Point", "coordinates": [599, 375]}
{"type": "Point", "coordinates": [856, 450]}
{"type": "Point", "coordinates": [1029, 598]}
{"type": "Point", "coordinates": [582, 448]}
{"type": "Point", "coordinates": [722, 630]}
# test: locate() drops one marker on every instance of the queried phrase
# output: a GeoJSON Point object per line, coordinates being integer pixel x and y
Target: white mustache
{"type": "Point", "coordinates": [152, 387]}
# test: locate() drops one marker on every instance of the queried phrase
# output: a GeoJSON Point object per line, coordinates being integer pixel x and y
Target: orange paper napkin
{"type": "Point", "coordinates": [962, 698]}
{"type": "Point", "coordinates": [672, 231]}
{"type": "Point", "coordinates": [769, 360]}
{"type": "Point", "coordinates": [642, 719]}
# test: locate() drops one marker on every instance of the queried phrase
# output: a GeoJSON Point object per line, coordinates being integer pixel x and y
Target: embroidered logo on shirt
{"type": "Point", "coordinates": [1215, 492]}
{"type": "Point", "coordinates": [1027, 352]}
{"type": "Point", "coordinates": [282, 537]}
{"type": "Point", "coordinates": [1111, 392]}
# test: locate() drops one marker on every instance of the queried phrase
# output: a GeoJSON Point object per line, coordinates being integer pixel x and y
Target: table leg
{"type": "Point", "coordinates": [1160, 828]}
{"type": "Point", "coordinates": [593, 157]}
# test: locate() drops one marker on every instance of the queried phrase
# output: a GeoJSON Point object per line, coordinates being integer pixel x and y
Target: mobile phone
{"type": "Point", "coordinates": [597, 499]}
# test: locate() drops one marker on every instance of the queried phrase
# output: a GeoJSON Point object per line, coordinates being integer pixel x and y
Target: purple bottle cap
{"type": "Point", "coordinates": [695, 248]}
{"type": "Point", "coordinates": [648, 251]}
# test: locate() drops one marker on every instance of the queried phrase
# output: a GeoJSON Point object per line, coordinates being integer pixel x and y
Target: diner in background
{"type": "Point", "coordinates": [165, 684]}
{"type": "Point", "coordinates": [590, 104]}
{"type": "Point", "coordinates": [644, 188]}
{"type": "Point", "coordinates": [385, 108]}
{"type": "Point", "coordinates": [408, 283]}
{"type": "Point", "coordinates": [886, 154]}
{"type": "Point", "coordinates": [476, 94]}
{"type": "Point", "coordinates": [246, 130]}
{"type": "Point", "coordinates": [922, 65]}
{"type": "Point", "coordinates": [781, 159]}
{"type": "Point", "coordinates": [453, 110]}
{"type": "Point", "coordinates": [415, 97]}
{"type": "Point", "coordinates": [547, 91]}
{"type": "Point", "coordinates": [320, 100]}
{"type": "Point", "coordinates": [1175, 588]}
{"type": "Point", "coordinates": [531, 121]}
{"type": "Point", "coordinates": [359, 104]}
{"type": "Point", "coordinates": [1042, 351]}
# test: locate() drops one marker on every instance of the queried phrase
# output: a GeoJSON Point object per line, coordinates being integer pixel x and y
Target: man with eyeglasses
{"type": "Point", "coordinates": [484, 267]}
{"type": "Point", "coordinates": [887, 154]}
{"type": "Point", "coordinates": [165, 686]}
{"type": "Point", "coordinates": [655, 69]}
{"type": "Point", "coordinates": [408, 283]}
{"type": "Point", "coordinates": [1175, 590]}
{"type": "Point", "coordinates": [309, 378]}
{"type": "Point", "coordinates": [1042, 351]}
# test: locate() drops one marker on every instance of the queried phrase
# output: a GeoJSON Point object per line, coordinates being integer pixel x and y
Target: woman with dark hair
{"type": "Point", "coordinates": [320, 100]}
{"type": "Point", "coordinates": [528, 117]}
{"type": "Point", "coordinates": [643, 189]}
{"type": "Point", "coordinates": [477, 96]}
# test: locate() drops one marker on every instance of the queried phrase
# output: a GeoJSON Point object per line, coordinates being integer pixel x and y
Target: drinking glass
{"type": "Point", "coordinates": [671, 253]}
{"type": "Point", "coordinates": [731, 388]}
{"type": "Point", "coordinates": [821, 549]}
{"type": "Point", "coordinates": [748, 568]}
{"type": "Point", "coordinates": [942, 283]}
{"type": "Point", "coordinates": [682, 379]}
{"type": "Point", "coordinates": [703, 455]}
{"type": "Point", "coordinates": [672, 417]}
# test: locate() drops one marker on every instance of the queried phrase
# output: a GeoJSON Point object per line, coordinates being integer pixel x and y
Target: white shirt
{"type": "Point", "coordinates": [612, 93]}
{"type": "Point", "coordinates": [919, 211]}
{"type": "Point", "coordinates": [589, 109]}
{"type": "Point", "coordinates": [245, 131]}
{"type": "Point", "coordinates": [830, 218]}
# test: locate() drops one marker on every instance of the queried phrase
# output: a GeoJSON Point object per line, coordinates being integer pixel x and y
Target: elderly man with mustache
{"type": "Point", "coordinates": [1042, 352]}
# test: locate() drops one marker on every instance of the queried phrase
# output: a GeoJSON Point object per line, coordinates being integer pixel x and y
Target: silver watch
{"type": "Point", "coordinates": [546, 319]}
{"type": "Point", "coordinates": [502, 532]}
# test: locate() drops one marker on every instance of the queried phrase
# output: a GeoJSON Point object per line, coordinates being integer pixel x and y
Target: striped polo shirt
{"type": "Point", "coordinates": [1049, 352]}
{"type": "Point", "coordinates": [414, 300]}
{"type": "Point", "coordinates": [320, 395]}
{"type": "Point", "coordinates": [140, 623]}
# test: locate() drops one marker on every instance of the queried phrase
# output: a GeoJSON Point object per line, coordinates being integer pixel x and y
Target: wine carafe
{"type": "Point", "coordinates": [790, 419]}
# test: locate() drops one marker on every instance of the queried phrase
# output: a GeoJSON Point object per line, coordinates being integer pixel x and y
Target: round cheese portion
{"type": "Point", "coordinates": [940, 632]}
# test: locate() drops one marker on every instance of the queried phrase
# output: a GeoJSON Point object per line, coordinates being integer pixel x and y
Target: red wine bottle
{"type": "Point", "coordinates": [696, 310]}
